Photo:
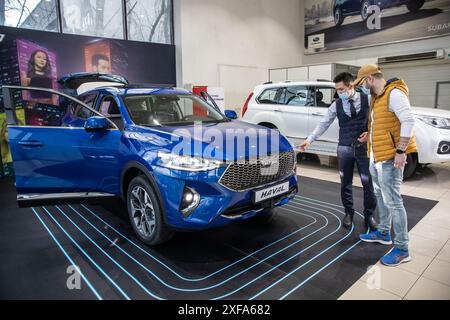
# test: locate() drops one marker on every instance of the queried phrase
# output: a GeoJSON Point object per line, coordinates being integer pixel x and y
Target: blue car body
{"type": "Point", "coordinates": [71, 159]}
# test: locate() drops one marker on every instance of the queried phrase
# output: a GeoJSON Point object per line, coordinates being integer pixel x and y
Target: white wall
{"type": "Point", "coordinates": [233, 43]}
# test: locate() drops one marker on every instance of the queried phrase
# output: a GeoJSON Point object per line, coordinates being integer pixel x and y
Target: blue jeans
{"type": "Point", "coordinates": [347, 158]}
{"type": "Point", "coordinates": [386, 182]}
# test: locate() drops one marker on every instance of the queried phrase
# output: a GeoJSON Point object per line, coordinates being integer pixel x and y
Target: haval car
{"type": "Point", "coordinates": [295, 108]}
{"type": "Point", "coordinates": [345, 8]}
{"type": "Point", "coordinates": [168, 153]}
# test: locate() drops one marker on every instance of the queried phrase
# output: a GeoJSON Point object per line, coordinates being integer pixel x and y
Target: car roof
{"type": "Point", "coordinates": [125, 91]}
{"type": "Point", "coordinates": [296, 83]}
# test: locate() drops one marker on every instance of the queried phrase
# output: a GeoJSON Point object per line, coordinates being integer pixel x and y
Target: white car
{"type": "Point", "coordinates": [295, 108]}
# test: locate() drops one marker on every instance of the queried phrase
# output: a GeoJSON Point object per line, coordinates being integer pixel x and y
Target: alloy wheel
{"type": "Point", "coordinates": [142, 211]}
{"type": "Point", "coordinates": [365, 10]}
{"type": "Point", "coordinates": [337, 16]}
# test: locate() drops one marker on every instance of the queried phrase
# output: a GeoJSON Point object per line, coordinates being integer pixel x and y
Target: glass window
{"type": "Point", "coordinates": [269, 96]}
{"type": "Point", "coordinates": [31, 14]}
{"type": "Point", "coordinates": [170, 109]}
{"type": "Point", "coordinates": [82, 112]}
{"type": "Point", "coordinates": [89, 99]}
{"type": "Point", "coordinates": [297, 96]}
{"type": "Point", "coordinates": [150, 20]}
{"type": "Point", "coordinates": [99, 18]}
{"type": "Point", "coordinates": [324, 96]}
{"type": "Point", "coordinates": [37, 107]}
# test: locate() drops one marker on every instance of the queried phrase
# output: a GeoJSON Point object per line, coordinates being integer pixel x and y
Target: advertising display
{"type": "Point", "coordinates": [345, 24]}
{"type": "Point", "coordinates": [39, 59]}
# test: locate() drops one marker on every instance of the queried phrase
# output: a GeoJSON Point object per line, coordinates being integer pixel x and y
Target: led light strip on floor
{"type": "Point", "coordinates": [140, 248]}
{"type": "Point", "coordinates": [67, 256]}
{"type": "Point", "coordinates": [300, 205]}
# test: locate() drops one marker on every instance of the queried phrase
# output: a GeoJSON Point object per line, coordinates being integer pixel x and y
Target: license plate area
{"type": "Point", "coordinates": [270, 192]}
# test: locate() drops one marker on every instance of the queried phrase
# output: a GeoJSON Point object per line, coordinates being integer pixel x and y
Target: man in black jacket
{"type": "Point", "coordinates": [352, 111]}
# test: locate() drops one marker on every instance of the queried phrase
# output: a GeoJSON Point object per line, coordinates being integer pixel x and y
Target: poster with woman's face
{"type": "Point", "coordinates": [37, 67]}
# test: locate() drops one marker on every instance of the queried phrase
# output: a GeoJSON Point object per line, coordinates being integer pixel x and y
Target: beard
{"type": "Point", "coordinates": [374, 91]}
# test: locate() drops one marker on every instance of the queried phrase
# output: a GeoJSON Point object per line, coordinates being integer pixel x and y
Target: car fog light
{"type": "Point", "coordinates": [189, 201]}
{"type": "Point", "coordinates": [444, 147]}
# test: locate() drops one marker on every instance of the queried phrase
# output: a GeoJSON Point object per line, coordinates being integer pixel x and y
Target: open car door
{"type": "Point", "coordinates": [61, 148]}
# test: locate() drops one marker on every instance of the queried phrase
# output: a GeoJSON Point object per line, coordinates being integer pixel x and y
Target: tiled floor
{"type": "Point", "coordinates": [427, 276]}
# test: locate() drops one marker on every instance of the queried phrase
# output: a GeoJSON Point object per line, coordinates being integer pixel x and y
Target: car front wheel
{"type": "Point", "coordinates": [365, 10]}
{"type": "Point", "coordinates": [145, 213]}
{"type": "Point", "coordinates": [338, 17]}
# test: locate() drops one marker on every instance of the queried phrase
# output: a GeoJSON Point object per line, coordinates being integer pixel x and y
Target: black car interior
{"type": "Point", "coordinates": [148, 110]}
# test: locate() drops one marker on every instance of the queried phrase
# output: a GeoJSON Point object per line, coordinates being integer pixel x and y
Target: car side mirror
{"type": "Point", "coordinates": [231, 114]}
{"type": "Point", "coordinates": [96, 123]}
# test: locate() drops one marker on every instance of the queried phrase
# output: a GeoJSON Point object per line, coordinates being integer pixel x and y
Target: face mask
{"type": "Point", "coordinates": [365, 90]}
{"type": "Point", "coordinates": [344, 95]}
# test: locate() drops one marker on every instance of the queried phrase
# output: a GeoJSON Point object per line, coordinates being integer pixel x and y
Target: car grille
{"type": "Point", "coordinates": [245, 174]}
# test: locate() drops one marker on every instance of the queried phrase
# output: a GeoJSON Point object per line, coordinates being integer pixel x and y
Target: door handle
{"type": "Point", "coordinates": [31, 144]}
{"type": "Point", "coordinates": [277, 110]}
{"type": "Point", "coordinates": [317, 114]}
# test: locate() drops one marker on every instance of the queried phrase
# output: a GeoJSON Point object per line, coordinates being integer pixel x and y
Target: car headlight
{"type": "Point", "coordinates": [437, 122]}
{"type": "Point", "coordinates": [187, 163]}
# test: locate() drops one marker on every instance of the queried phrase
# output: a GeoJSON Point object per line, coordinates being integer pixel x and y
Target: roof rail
{"type": "Point", "coordinates": [268, 82]}
{"type": "Point", "coordinates": [323, 80]}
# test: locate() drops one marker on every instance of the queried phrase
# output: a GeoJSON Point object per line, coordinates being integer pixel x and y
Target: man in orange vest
{"type": "Point", "coordinates": [389, 139]}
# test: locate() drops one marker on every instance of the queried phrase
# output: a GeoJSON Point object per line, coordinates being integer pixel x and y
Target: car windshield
{"type": "Point", "coordinates": [170, 110]}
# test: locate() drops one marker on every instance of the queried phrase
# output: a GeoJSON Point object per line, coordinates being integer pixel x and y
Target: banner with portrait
{"type": "Point", "coordinates": [39, 59]}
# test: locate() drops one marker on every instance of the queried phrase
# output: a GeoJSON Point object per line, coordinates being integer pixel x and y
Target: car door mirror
{"type": "Point", "coordinates": [231, 114]}
{"type": "Point", "coordinates": [96, 123]}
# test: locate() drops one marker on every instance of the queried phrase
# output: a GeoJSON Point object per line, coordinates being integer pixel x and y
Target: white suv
{"type": "Point", "coordinates": [295, 108]}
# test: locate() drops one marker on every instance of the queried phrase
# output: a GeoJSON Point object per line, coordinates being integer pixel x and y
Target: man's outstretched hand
{"type": "Point", "coordinates": [305, 145]}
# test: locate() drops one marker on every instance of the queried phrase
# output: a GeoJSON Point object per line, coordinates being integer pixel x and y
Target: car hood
{"type": "Point", "coordinates": [225, 141]}
{"type": "Point", "coordinates": [431, 112]}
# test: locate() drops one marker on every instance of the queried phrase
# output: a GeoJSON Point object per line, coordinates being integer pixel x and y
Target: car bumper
{"type": "Point", "coordinates": [431, 143]}
{"type": "Point", "coordinates": [218, 205]}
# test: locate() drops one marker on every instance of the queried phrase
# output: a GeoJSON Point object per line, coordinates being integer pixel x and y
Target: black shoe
{"type": "Point", "coordinates": [370, 222]}
{"type": "Point", "coordinates": [348, 220]}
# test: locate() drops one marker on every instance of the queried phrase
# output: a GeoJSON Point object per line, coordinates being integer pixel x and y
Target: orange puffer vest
{"type": "Point", "coordinates": [386, 126]}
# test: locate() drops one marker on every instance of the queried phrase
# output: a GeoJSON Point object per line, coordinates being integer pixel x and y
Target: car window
{"type": "Point", "coordinates": [324, 96]}
{"type": "Point", "coordinates": [82, 112]}
{"type": "Point", "coordinates": [269, 96]}
{"type": "Point", "coordinates": [109, 107]}
{"type": "Point", "coordinates": [89, 99]}
{"type": "Point", "coordinates": [297, 96]}
{"type": "Point", "coordinates": [170, 109]}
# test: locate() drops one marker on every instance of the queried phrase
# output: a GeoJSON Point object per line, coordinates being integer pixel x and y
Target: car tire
{"type": "Point", "coordinates": [145, 213]}
{"type": "Point", "coordinates": [411, 166]}
{"type": "Point", "coordinates": [415, 5]}
{"type": "Point", "coordinates": [364, 10]}
{"type": "Point", "coordinates": [338, 17]}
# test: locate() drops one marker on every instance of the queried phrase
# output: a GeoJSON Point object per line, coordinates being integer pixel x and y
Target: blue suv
{"type": "Point", "coordinates": [176, 159]}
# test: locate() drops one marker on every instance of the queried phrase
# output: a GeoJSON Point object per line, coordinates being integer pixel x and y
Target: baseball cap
{"type": "Point", "coordinates": [365, 71]}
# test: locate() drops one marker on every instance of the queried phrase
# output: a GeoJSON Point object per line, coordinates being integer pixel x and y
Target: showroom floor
{"type": "Point", "coordinates": [303, 254]}
{"type": "Point", "coordinates": [427, 276]}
